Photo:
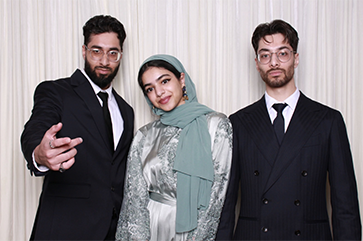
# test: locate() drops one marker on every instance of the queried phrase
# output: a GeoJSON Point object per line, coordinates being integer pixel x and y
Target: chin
{"type": "Point", "coordinates": [277, 83]}
{"type": "Point", "coordinates": [166, 108]}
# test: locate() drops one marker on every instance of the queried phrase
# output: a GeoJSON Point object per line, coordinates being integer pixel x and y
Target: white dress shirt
{"type": "Point", "coordinates": [287, 113]}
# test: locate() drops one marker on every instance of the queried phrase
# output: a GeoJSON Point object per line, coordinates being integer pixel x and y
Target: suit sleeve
{"type": "Point", "coordinates": [344, 199]}
{"type": "Point", "coordinates": [45, 113]}
{"type": "Point", "coordinates": [227, 219]}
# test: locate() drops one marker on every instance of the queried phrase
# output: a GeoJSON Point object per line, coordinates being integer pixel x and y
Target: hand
{"type": "Point", "coordinates": [56, 153]}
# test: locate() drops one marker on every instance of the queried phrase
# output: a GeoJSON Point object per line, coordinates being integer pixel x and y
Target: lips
{"type": "Point", "coordinates": [275, 72]}
{"type": "Point", "coordinates": [103, 70]}
{"type": "Point", "coordinates": [165, 100]}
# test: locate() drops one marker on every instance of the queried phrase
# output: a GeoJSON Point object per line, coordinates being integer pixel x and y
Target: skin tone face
{"type": "Point", "coordinates": [102, 71]}
{"type": "Point", "coordinates": [278, 76]}
{"type": "Point", "coordinates": [163, 88]}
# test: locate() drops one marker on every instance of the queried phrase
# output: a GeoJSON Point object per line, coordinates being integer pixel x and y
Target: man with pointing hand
{"type": "Point", "coordinates": [78, 137]}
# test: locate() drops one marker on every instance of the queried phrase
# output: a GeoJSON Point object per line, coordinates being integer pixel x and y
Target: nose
{"type": "Point", "coordinates": [105, 60]}
{"type": "Point", "coordinates": [159, 91]}
{"type": "Point", "coordinates": [274, 61]}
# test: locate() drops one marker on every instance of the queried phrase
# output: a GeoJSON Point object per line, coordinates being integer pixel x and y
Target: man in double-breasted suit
{"type": "Point", "coordinates": [79, 142]}
{"type": "Point", "coordinates": [285, 147]}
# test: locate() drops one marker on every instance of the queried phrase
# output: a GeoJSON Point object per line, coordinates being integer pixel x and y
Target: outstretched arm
{"type": "Point", "coordinates": [41, 129]}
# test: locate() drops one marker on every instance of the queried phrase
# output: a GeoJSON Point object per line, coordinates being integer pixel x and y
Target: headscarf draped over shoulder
{"type": "Point", "coordinates": [193, 162]}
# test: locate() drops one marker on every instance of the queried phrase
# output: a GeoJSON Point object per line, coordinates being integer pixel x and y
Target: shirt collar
{"type": "Point", "coordinates": [291, 101]}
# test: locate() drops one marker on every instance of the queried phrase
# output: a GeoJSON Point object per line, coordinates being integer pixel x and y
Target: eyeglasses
{"type": "Point", "coordinates": [97, 54]}
{"type": "Point", "coordinates": [283, 55]}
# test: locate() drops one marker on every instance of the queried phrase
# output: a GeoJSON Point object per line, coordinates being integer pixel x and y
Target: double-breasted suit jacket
{"type": "Point", "coordinates": [283, 188]}
{"type": "Point", "coordinates": [80, 203]}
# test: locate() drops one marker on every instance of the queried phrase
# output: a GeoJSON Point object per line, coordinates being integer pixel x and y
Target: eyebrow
{"type": "Point", "coordinates": [99, 47]}
{"type": "Point", "coordinates": [268, 50]}
{"type": "Point", "coordinates": [159, 78]}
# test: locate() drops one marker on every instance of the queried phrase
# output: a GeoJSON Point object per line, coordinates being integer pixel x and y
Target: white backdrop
{"type": "Point", "coordinates": [42, 39]}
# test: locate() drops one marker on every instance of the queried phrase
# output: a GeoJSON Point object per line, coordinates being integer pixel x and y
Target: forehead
{"type": "Point", "coordinates": [105, 40]}
{"type": "Point", "coordinates": [274, 41]}
{"type": "Point", "coordinates": [154, 73]}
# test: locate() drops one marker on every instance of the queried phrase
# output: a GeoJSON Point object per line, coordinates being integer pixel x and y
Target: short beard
{"type": "Point", "coordinates": [277, 83]}
{"type": "Point", "coordinates": [103, 81]}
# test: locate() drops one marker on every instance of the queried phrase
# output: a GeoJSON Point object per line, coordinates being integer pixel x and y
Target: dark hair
{"type": "Point", "coordinates": [158, 63]}
{"type": "Point", "coordinates": [103, 24]}
{"type": "Point", "coordinates": [276, 26]}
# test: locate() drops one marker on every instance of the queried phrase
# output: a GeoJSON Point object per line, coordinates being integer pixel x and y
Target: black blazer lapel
{"type": "Point", "coordinates": [305, 120]}
{"type": "Point", "coordinates": [85, 92]}
{"type": "Point", "coordinates": [258, 124]}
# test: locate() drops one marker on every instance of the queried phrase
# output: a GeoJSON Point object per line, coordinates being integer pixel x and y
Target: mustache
{"type": "Point", "coordinates": [275, 70]}
{"type": "Point", "coordinates": [103, 67]}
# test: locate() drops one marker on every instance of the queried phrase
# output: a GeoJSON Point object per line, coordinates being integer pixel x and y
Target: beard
{"type": "Point", "coordinates": [103, 81]}
{"type": "Point", "coordinates": [277, 82]}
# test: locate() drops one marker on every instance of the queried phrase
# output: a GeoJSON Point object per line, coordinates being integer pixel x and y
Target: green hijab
{"type": "Point", "coordinates": [193, 160]}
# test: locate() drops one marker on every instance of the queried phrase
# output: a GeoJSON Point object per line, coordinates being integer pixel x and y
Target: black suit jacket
{"type": "Point", "coordinates": [283, 188]}
{"type": "Point", "coordinates": [81, 203]}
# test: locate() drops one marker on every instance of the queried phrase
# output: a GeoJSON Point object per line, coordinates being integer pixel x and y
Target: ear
{"type": "Point", "coordinates": [296, 61]}
{"type": "Point", "coordinates": [182, 79]}
{"type": "Point", "coordinates": [84, 51]}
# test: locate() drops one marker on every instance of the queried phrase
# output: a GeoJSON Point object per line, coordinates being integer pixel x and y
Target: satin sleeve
{"type": "Point", "coordinates": [220, 130]}
{"type": "Point", "coordinates": [133, 223]}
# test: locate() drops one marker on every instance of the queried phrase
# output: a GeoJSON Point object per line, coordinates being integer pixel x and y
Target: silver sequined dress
{"type": "Point", "coordinates": [149, 206]}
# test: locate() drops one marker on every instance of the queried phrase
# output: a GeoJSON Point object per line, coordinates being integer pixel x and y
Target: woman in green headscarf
{"type": "Point", "coordinates": [178, 166]}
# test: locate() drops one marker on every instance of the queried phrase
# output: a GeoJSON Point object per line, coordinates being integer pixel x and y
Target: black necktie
{"type": "Point", "coordinates": [107, 117]}
{"type": "Point", "coordinates": [278, 124]}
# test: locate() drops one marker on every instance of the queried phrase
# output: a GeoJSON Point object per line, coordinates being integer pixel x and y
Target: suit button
{"type": "Point", "coordinates": [265, 201]}
{"type": "Point", "coordinates": [304, 173]}
{"type": "Point", "coordinates": [256, 173]}
{"type": "Point", "coordinates": [264, 229]}
{"type": "Point", "coordinates": [297, 202]}
{"type": "Point", "coordinates": [112, 189]}
{"type": "Point", "coordinates": [297, 233]}
{"type": "Point", "coordinates": [114, 213]}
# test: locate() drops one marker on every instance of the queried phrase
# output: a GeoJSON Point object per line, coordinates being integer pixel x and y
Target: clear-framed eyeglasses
{"type": "Point", "coordinates": [283, 55]}
{"type": "Point", "coordinates": [97, 54]}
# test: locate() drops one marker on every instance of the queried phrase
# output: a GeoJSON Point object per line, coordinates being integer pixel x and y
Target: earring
{"type": "Point", "coordinates": [185, 95]}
